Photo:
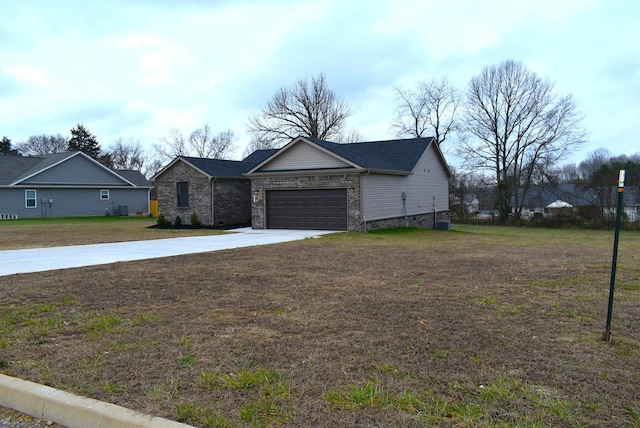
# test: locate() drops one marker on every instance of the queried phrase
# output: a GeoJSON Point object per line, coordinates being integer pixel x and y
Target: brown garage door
{"type": "Point", "coordinates": [324, 209]}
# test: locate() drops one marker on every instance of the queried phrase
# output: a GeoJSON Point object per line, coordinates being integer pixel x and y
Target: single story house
{"type": "Point", "coordinates": [214, 189]}
{"type": "Point", "coordinates": [312, 184]}
{"type": "Point", "coordinates": [316, 184]}
{"type": "Point", "coordinates": [66, 185]}
{"type": "Point", "coordinates": [579, 200]}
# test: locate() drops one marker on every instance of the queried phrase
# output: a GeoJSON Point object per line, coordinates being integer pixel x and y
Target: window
{"type": "Point", "coordinates": [30, 200]}
{"type": "Point", "coordinates": [104, 195]}
{"type": "Point", "coordinates": [183, 194]}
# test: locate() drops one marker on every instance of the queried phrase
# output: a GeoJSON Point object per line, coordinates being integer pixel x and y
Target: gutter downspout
{"type": "Point", "coordinates": [435, 213]}
{"type": "Point", "coordinates": [404, 203]}
{"type": "Point", "coordinates": [212, 182]}
{"type": "Point", "coordinates": [362, 213]}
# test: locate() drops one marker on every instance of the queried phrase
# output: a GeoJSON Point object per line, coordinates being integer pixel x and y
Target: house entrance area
{"type": "Point", "coordinates": [308, 209]}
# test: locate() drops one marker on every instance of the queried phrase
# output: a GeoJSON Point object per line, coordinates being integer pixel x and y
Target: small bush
{"type": "Point", "coordinates": [195, 221]}
{"type": "Point", "coordinates": [178, 221]}
{"type": "Point", "coordinates": [162, 220]}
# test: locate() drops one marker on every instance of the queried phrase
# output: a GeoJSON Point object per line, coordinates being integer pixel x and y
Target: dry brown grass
{"type": "Point", "coordinates": [479, 327]}
{"type": "Point", "coordinates": [38, 233]}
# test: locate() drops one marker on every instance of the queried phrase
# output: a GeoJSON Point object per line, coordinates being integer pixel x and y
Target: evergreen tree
{"type": "Point", "coordinates": [85, 141]}
{"type": "Point", "coordinates": [5, 146]}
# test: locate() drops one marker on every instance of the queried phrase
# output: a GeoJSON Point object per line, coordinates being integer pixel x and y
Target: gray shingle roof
{"type": "Point", "coordinates": [391, 155]}
{"type": "Point", "coordinates": [19, 167]}
{"type": "Point", "coordinates": [133, 176]}
{"type": "Point", "coordinates": [259, 156]}
{"type": "Point", "coordinates": [228, 168]}
{"type": "Point", "coordinates": [15, 168]}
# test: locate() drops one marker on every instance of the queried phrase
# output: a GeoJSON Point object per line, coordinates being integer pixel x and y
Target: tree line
{"type": "Point", "coordinates": [127, 153]}
{"type": "Point", "coordinates": [511, 127]}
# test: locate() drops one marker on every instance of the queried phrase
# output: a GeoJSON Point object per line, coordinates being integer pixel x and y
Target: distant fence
{"type": "Point", "coordinates": [8, 216]}
{"type": "Point", "coordinates": [153, 207]}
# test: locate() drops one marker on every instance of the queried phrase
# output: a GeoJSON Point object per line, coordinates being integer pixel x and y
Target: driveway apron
{"type": "Point", "coordinates": [43, 259]}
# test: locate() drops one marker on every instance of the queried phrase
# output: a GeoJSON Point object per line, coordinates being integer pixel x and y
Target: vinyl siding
{"type": "Point", "coordinates": [303, 156]}
{"type": "Point", "coordinates": [382, 194]}
{"type": "Point", "coordinates": [76, 171]}
{"type": "Point", "coordinates": [73, 202]}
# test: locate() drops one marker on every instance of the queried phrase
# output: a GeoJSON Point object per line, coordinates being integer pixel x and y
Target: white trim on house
{"type": "Point", "coordinates": [26, 198]}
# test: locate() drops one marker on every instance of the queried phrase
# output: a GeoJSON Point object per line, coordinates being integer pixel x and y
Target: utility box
{"type": "Point", "coordinates": [443, 225]}
{"type": "Point", "coordinates": [123, 210]}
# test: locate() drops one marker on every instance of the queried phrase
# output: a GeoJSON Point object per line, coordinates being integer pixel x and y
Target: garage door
{"type": "Point", "coordinates": [324, 209]}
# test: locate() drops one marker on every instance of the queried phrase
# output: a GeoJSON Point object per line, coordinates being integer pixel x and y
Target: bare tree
{"type": "Point", "coordinates": [594, 161]}
{"type": "Point", "coordinates": [256, 144]}
{"type": "Point", "coordinates": [426, 111]}
{"type": "Point", "coordinates": [203, 143]}
{"type": "Point", "coordinates": [515, 122]}
{"type": "Point", "coordinates": [43, 145]}
{"type": "Point", "coordinates": [172, 145]}
{"type": "Point", "coordinates": [127, 154]}
{"type": "Point", "coordinates": [569, 173]}
{"type": "Point", "coordinates": [351, 136]}
{"type": "Point", "coordinates": [307, 108]}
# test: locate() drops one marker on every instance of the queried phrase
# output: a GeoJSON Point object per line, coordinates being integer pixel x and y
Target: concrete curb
{"type": "Point", "coordinates": [71, 410]}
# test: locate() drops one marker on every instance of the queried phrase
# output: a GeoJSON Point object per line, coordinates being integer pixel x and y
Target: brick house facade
{"type": "Point", "coordinates": [213, 189]}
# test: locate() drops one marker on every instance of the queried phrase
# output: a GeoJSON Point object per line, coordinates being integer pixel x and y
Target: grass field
{"type": "Point", "coordinates": [480, 326]}
{"type": "Point", "coordinates": [38, 233]}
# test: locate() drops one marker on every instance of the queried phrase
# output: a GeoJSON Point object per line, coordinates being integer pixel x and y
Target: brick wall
{"type": "Point", "coordinates": [422, 221]}
{"type": "Point", "coordinates": [231, 200]}
{"type": "Point", "coordinates": [199, 194]}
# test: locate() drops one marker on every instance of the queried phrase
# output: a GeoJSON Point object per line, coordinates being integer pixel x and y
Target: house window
{"type": "Point", "coordinates": [30, 199]}
{"type": "Point", "coordinates": [183, 194]}
{"type": "Point", "coordinates": [104, 195]}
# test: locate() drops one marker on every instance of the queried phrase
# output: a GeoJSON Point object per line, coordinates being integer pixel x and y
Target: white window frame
{"type": "Point", "coordinates": [102, 193]}
{"type": "Point", "coordinates": [27, 198]}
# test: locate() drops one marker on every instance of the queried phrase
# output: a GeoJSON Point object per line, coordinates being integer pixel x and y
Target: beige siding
{"type": "Point", "coordinates": [303, 156]}
{"type": "Point", "coordinates": [382, 194]}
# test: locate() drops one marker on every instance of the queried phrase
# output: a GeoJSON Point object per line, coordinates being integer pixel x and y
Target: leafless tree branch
{"type": "Point", "coordinates": [307, 108]}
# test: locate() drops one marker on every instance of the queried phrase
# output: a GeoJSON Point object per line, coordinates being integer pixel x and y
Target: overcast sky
{"type": "Point", "coordinates": [136, 69]}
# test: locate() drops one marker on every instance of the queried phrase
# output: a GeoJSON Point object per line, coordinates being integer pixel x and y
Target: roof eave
{"type": "Point", "coordinates": [181, 159]}
{"type": "Point", "coordinates": [305, 172]}
{"type": "Point", "coordinates": [337, 171]}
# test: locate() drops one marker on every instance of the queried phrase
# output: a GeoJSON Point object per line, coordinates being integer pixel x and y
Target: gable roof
{"type": "Point", "coordinates": [134, 177]}
{"type": "Point", "coordinates": [221, 168]}
{"type": "Point", "coordinates": [399, 155]}
{"type": "Point", "coordinates": [15, 169]}
{"type": "Point", "coordinates": [12, 167]}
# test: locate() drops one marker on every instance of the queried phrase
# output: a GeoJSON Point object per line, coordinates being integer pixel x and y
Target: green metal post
{"type": "Point", "coordinates": [607, 333]}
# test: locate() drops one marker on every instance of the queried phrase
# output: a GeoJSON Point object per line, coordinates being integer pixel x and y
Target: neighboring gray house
{"type": "Point", "coordinates": [214, 189]}
{"type": "Point", "coordinates": [68, 184]}
{"type": "Point", "coordinates": [316, 184]}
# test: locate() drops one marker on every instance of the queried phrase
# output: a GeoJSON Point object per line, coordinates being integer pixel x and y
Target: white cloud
{"type": "Point", "coordinates": [137, 69]}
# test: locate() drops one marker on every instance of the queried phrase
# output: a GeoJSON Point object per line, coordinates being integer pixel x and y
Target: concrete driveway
{"type": "Point", "coordinates": [43, 259]}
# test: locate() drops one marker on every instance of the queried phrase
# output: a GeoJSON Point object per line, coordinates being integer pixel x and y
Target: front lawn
{"type": "Point", "coordinates": [53, 232]}
{"type": "Point", "coordinates": [481, 326]}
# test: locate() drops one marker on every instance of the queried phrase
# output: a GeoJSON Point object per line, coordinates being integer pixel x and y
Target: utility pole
{"type": "Point", "coordinates": [606, 336]}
